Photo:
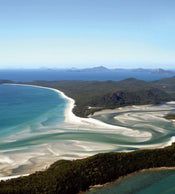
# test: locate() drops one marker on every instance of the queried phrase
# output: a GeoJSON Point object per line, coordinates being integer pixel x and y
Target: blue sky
{"type": "Point", "coordinates": [81, 33]}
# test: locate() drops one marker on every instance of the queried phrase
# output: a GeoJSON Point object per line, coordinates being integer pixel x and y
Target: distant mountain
{"type": "Point", "coordinates": [154, 71]}
{"type": "Point", "coordinates": [162, 71]}
{"type": "Point", "coordinates": [93, 69]}
{"type": "Point", "coordinates": [120, 70]}
{"type": "Point", "coordinates": [141, 70]}
{"type": "Point", "coordinates": [104, 69]}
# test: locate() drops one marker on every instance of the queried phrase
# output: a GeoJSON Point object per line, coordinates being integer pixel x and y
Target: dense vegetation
{"type": "Point", "coordinates": [111, 94]}
{"type": "Point", "coordinates": [170, 116]}
{"type": "Point", "coordinates": [74, 176]}
{"type": "Point", "coordinates": [69, 177]}
{"type": "Point", "coordinates": [3, 81]}
{"type": "Point", "coordinates": [166, 84]}
{"type": "Point", "coordinates": [91, 96]}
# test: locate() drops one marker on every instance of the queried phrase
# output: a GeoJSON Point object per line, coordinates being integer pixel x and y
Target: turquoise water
{"type": "Point", "coordinates": [25, 107]}
{"type": "Point", "coordinates": [34, 134]}
{"type": "Point", "coordinates": [25, 111]}
{"type": "Point", "coordinates": [151, 182]}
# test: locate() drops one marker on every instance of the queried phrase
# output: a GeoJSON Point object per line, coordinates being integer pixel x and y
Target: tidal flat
{"type": "Point", "coordinates": [34, 142]}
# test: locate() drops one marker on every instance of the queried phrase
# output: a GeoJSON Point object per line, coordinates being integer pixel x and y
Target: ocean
{"type": "Point", "coordinates": [34, 133]}
{"type": "Point", "coordinates": [26, 106]}
{"type": "Point", "coordinates": [26, 113]}
{"type": "Point", "coordinates": [52, 75]}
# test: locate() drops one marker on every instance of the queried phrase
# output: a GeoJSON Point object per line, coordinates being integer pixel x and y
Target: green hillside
{"type": "Point", "coordinates": [110, 94]}
{"type": "Point", "coordinates": [69, 177]}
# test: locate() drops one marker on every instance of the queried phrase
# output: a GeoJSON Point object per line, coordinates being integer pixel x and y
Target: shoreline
{"type": "Point", "coordinates": [12, 177]}
{"type": "Point", "coordinates": [96, 187]}
{"type": "Point", "coordinates": [71, 118]}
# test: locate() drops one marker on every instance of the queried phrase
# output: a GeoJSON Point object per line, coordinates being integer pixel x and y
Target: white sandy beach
{"type": "Point", "coordinates": [43, 155]}
{"type": "Point", "coordinates": [12, 177]}
{"type": "Point", "coordinates": [71, 118]}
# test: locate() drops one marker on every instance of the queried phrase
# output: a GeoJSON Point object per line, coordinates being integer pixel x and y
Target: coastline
{"type": "Point", "coordinates": [73, 119]}
{"type": "Point", "coordinates": [96, 187]}
{"type": "Point", "coordinates": [12, 177]}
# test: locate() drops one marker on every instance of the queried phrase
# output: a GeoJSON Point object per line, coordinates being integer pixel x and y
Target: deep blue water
{"type": "Point", "coordinates": [50, 75]}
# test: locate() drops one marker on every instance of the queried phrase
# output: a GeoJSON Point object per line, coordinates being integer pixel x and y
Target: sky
{"type": "Point", "coordinates": [87, 33]}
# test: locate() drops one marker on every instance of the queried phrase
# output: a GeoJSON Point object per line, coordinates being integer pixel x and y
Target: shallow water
{"type": "Point", "coordinates": [34, 134]}
{"type": "Point", "coordinates": [149, 182]}
{"type": "Point", "coordinates": [146, 118]}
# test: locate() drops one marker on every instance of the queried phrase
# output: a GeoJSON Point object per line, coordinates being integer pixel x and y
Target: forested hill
{"type": "Point", "coordinates": [166, 84]}
{"type": "Point", "coordinates": [91, 96]}
{"type": "Point", "coordinates": [71, 177]}
{"type": "Point", "coordinates": [111, 94]}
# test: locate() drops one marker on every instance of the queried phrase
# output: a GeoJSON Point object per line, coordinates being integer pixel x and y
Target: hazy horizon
{"type": "Point", "coordinates": [60, 34]}
{"type": "Point", "coordinates": [86, 67]}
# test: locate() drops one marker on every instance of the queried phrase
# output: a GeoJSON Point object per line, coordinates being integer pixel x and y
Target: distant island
{"type": "Point", "coordinates": [105, 69]}
{"type": "Point", "coordinates": [93, 69]}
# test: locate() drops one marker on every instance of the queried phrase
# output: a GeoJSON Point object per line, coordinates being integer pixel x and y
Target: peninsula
{"type": "Point", "coordinates": [92, 96]}
{"type": "Point", "coordinates": [67, 176]}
